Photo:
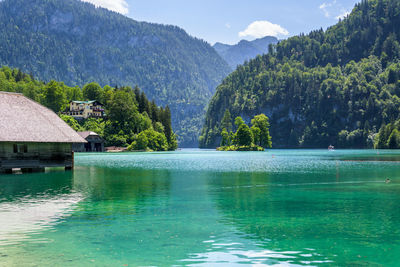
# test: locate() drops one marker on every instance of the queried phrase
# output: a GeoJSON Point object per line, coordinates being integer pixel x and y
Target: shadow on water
{"type": "Point", "coordinates": [35, 185]}
{"type": "Point", "coordinates": [367, 156]}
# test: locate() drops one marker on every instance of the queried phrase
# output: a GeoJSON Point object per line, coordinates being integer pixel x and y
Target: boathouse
{"type": "Point", "coordinates": [94, 143]}
{"type": "Point", "coordinates": [32, 137]}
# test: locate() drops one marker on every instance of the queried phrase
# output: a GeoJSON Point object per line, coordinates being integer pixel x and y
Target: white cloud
{"type": "Point", "coordinates": [120, 6]}
{"type": "Point", "coordinates": [228, 25]}
{"type": "Point", "coordinates": [334, 9]}
{"type": "Point", "coordinates": [325, 7]}
{"type": "Point", "coordinates": [263, 28]}
{"type": "Point", "coordinates": [344, 14]}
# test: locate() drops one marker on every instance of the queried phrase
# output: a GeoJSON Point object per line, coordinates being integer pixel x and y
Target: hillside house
{"type": "Point", "coordinates": [85, 109]}
{"type": "Point", "coordinates": [32, 137]}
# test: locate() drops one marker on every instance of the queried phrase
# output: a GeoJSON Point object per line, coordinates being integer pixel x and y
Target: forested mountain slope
{"type": "Point", "coordinates": [244, 50]}
{"type": "Point", "coordinates": [74, 42]}
{"type": "Point", "coordinates": [129, 113]}
{"type": "Point", "coordinates": [337, 86]}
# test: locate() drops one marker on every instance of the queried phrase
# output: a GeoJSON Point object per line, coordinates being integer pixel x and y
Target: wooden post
{"type": "Point", "coordinates": [68, 168]}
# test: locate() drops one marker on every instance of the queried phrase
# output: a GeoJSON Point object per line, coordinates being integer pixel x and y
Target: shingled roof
{"type": "Point", "coordinates": [24, 120]}
{"type": "Point", "coordinates": [86, 134]}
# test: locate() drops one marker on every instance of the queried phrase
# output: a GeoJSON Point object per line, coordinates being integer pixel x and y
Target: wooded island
{"type": "Point", "coordinates": [256, 138]}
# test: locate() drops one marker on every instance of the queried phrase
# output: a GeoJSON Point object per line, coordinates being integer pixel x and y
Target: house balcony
{"type": "Point", "coordinates": [93, 115]}
{"type": "Point", "coordinates": [73, 113]}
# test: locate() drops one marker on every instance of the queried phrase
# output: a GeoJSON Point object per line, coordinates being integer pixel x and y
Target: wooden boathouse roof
{"type": "Point", "coordinates": [86, 134]}
{"type": "Point", "coordinates": [24, 120]}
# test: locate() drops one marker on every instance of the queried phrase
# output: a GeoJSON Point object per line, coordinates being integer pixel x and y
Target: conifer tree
{"type": "Point", "coordinates": [226, 122]}
{"type": "Point", "coordinates": [144, 104]}
{"type": "Point", "coordinates": [166, 121]}
{"type": "Point", "coordinates": [154, 112]}
{"type": "Point", "coordinates": [225, 138]}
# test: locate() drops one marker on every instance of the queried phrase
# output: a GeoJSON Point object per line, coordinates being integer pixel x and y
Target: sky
{"type": "Point", "coordinates": [229, 21]}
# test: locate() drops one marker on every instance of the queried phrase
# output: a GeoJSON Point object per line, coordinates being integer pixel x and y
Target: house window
{"type": "Point", "coordinates": [19, 148]}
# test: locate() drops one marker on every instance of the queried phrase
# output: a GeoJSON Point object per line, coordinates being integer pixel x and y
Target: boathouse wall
{"type": "Point", "coordinates": [34, 156]}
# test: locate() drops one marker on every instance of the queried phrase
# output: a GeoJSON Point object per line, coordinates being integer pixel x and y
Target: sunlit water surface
{"type": "Point", "coordinates": [206, 208]}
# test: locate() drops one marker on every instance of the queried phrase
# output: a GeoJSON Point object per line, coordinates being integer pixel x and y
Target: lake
{"type": "Point", "coordinates": [206, 208]}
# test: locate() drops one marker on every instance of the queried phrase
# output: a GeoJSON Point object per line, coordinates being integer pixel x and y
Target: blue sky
{"type": "Point", "coordinates": [229, 21]}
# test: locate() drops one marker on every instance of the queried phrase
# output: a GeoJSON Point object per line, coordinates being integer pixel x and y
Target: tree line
{"type": "Point", "coordinates": [129, 113]}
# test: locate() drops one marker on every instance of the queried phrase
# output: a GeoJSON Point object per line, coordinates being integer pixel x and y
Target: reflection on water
{"type": "Point", "coordinates": [375, 156]}
{"type": "Point", "coordinates": [30, 216]}
{"type": "Point", "coordinates": [29, 205]}
{"type": "Point", "coordinates": [197, 208]}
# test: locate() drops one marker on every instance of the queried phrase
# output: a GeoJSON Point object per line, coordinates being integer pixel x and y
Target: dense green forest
{"type": "Point", "coordinates": [77, 43]}
{"type": "Point", "coordinates": [340, 86]}
{"type": "Point", "coordinates": [130, 115]}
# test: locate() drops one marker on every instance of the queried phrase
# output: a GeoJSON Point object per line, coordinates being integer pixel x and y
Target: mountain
{"type": "Point", "coordinates": [75, 42]}
{"type": "Point", "coordinates": [337, 86]}
{"type": "Point", "coordinates": [245, 50]}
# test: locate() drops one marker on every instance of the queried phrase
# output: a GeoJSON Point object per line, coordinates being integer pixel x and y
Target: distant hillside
{"type": "Point", "coordinates": [328, 87]}
{"type": "Point", "coordinates": [74, 42]}
{"type": "Point", "coordinates": [245, 50]}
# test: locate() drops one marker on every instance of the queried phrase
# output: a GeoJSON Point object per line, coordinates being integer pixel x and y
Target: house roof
{"type": "Point", "coordinates": [24, 120]}
{"type": "Point", "coordinates": [86, 134]}
{"type": "Point", "coordinates": [86, 102]}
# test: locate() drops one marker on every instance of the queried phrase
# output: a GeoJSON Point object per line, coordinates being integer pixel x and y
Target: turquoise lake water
{"type": "Point", "coordinates": [206, 208]}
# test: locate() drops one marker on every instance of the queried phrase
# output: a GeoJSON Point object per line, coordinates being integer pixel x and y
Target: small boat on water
{"type": "Point", "coordinates": [331, 148]}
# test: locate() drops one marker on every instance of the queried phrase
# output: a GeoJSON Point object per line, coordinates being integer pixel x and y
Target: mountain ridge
{"type": "Point", "coordinates": [76, 42]}
{"type": "Point", "coordinates": [245, 50]}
